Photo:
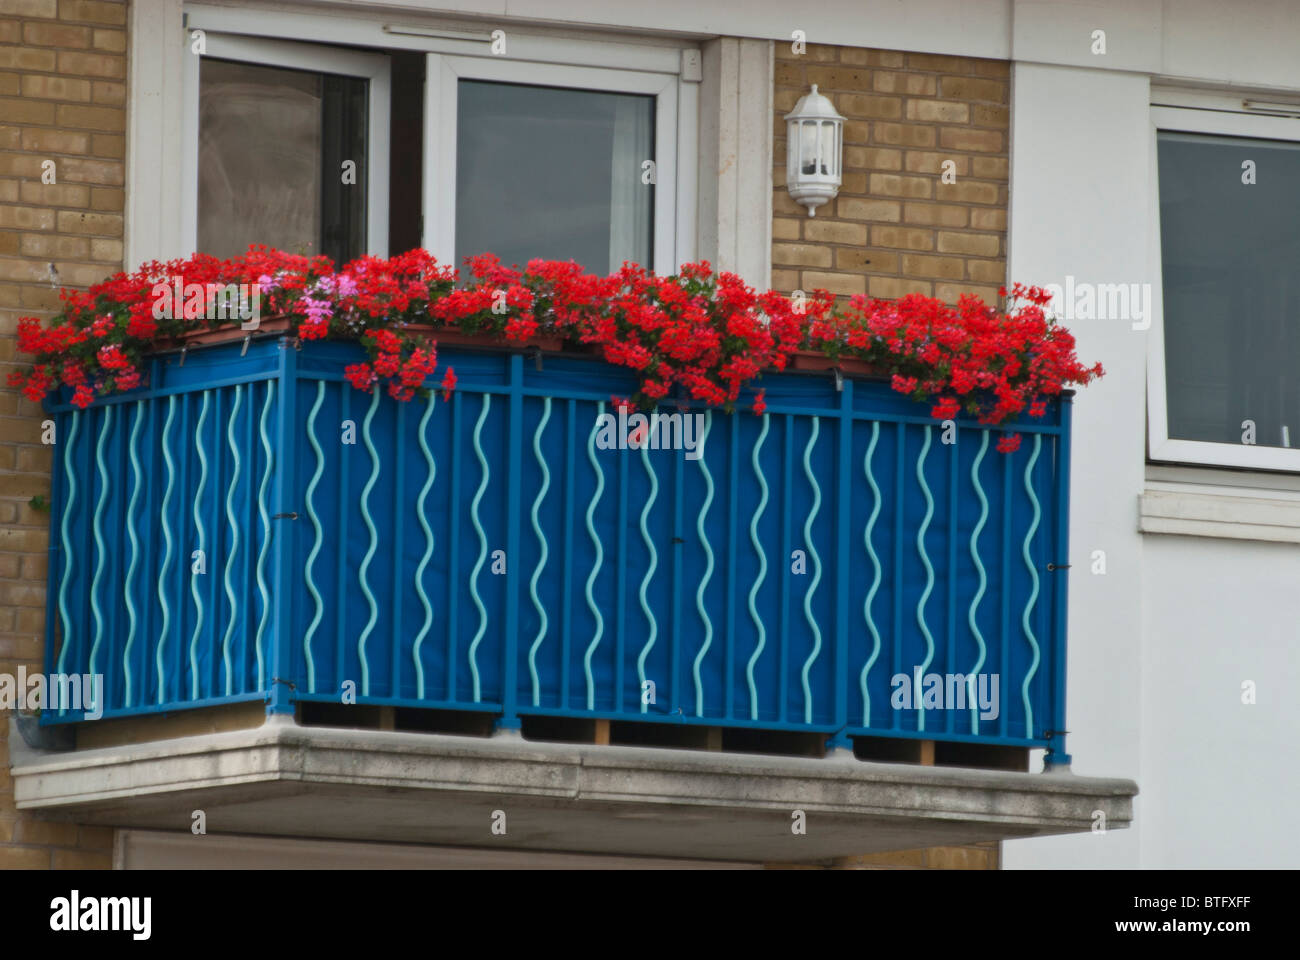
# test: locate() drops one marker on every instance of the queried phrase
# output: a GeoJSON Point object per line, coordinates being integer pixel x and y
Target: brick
{"type": "Point", "coordinates": [26, 218]}
{"type": "Point", "coordinates": [890, 288]}
{"type": "Point", "coordinates": [912, 188]}
{"type": "Point", "coordinates": [938, 111]}
{"type": "Point", "coordinates": [850, 208]}
{"type": "Point", "coordinates": [831, 79]}
{"type": "Point", "coordinates": [785, 228]}
{"type": "Point", "coordinates": [975, 244]}
{"type": "Point", "coordinates": [912, 84]}
{"type": "Point", "coordinates": [990, 168]}
{"type": "Point", "coordinates": [30, 620]}
{"type": "Point", "coordinates": [106, 92]}
{"type": "Point", "coordinates": [34, 460]}
{"type": "Point", "coordinates": [936, 268]}
{"type": "Point", "coordinates": [871, 107]}
{"type": "Point", "coordinates": [904, 237]}
{"type": "Point", "coordinates": [20, 594]}
{"type": "Point", "coordinates": [108, 145]}
{"type": "Point", "coordinates": [984, 141]}
{"type": "Point", "coordinates": [45, 832]}
{"type": "Point", "coordinates": [106, 198]}
{"type": "Point", "coordinates": [93, 11]}
{"type": "Point", "coordinates": [8, 191]}
{"type": "Point", "coordinates": [987, 115]}
{"type": "Point", "coordinates": [9, 85]}
{"type": "Point", "coordinates": [969, 191]}
{"type": "Point", "coordinates": [840, 284]}
{"type": "Point", "coordinates": [23, 858]}
{"type": "Point", "coordinates": [831, 231]}
{"type": "Point", "coordinates": [968, 88]}
{"type": "Point", "coordinates": [93, 118]}
{"type": "Point", "coordinates": [817, 51]}
{"type": "Point", "coordinates": [55, 194]}
{"type": "Point", "coordinates": [858, 260]}
{"type": "Point", "coordinates": [31, 8]}
{"type": "Point", "coordinates": [11, 31]}
{"type": "Point", "coordinates": [855, 131]}
{"type": "Point", "coordinates": [935, 214]}
{"type": "Point", "coordinates": [56, 88]}
{"type": "Point", "coordinates": [921, 161]}
{"type": "Point", "coordinates": [109, 251]}
{"type": "Point", "coordinates": [82, 860]}
{"type": "Point", "coordinates": [872, 158]}
{"type": "Point", "coordinates": [9, 564]}
{"type": "Point", "coordinates": [8, 248]}
{"type": "Point", "coordinates": [903, 134]}
{"type": "Point", "coordinates": [988, 220]}
{"type": "Point", "coordinates": [53, 247]}
{"type": "Point", "coordinates": [938, 63]}
{"type": "Point", "coordinates": [24, 58]}
{"type": "Point", "coordinates": [951, 292]}
{"type": "Point", "coordinates": [113, 41]}
{"type": "Point", "coordinates": [55, 35]}
{"type": "Point", "coordinates": [26, 111]}
{"type": "Point", "coordinates": [42, 297]}
{"type": "Point", "coordinates": [106, 172]}
{"type": "Point", "coordinates": [870, 58]}
{"type": "Point", "coordinates": [110, 66]}
{"type": "Point", "coordinates": [800, 255]}
{"type": "Point", "coordinates": [54, 141]}
{"type": "Point", "coordinates": [987, 271]}
{"type": "Point", "coordinates": [10, 138]}
{"type": "Point", "coordinates": [853, 182]}
{"type": "Point", "coordinates": [786, 280]}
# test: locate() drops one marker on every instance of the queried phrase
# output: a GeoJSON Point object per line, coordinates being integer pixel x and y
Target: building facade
{"type": "Point", "coordinates": [1133, 155]}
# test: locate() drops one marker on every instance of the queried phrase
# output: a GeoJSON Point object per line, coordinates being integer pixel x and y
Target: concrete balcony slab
{"type": "Point", "coordinates": [286, 780]}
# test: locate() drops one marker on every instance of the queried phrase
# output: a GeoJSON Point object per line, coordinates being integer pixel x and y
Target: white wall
{"type": "Point", "coordinates": [1219, 778]}
{"type": "Point", "coordinates": [1078, 190]}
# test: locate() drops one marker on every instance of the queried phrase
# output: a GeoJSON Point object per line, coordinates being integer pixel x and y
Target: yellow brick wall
{"type": "Point", "coordinates": [62, 98]}
{"type": "Point", "coordinates": [895, 228]}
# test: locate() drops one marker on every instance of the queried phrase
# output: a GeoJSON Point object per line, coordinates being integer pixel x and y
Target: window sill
{"type": "Point", "coordinates": [1232, 505]}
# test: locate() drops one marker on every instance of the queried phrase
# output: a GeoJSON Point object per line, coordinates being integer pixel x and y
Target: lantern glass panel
{"type": "Point", "coordinates": [807, 148]}
{"type": "Point", "coordinates": [828, 152]}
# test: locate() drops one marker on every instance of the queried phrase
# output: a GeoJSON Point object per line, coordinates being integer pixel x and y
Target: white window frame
{"type": "Point", "coordinates": [442, 78]}
{"type": "Point", "coordinates": [300, 56]}
{"type": "Point", "coordinates": [1210, 116]}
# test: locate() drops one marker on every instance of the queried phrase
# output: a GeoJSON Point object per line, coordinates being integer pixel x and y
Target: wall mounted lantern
{"type": "Point", "coordinates": [814, 147]}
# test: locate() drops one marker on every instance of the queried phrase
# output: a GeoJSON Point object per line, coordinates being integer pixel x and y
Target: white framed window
{"type": "Point", "coordinates": [1223, 371]}
{"type": "Point", "coordinates": [285, 144]}
{"type": "Point", "coordinates": [526, 159]}
{"type": "Point", "coordinates": [616, 95]}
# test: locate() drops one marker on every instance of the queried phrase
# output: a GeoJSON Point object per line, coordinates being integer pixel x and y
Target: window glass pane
{"type": "Point", "coordinates": [265, 136]}
{"type": "Point", "coordinates": [553, 173]}
{"type": "Point", "coordinates": [1231, 287]}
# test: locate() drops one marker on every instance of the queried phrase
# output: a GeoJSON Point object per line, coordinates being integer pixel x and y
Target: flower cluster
{"type": "Point", "coordinates": [696, 335]}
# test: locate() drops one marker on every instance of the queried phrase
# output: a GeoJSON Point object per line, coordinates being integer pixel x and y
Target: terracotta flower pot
{"type": "Point", "coordinates": [816, 361]}
{"type": "Point", "coordinates": [272, 326]}
{"type": "Point", "coordinates": [444, 335]}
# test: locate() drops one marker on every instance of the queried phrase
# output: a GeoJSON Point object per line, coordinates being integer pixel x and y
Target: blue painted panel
{"type": "Point", "coordinates": [482, 552]}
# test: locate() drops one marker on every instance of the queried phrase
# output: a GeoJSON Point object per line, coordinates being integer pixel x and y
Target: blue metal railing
{"type": "Point", "coordinates": [251, 527]}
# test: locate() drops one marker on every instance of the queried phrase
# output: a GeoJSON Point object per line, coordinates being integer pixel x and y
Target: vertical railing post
{"type": "Point", "coordinates": [514, 457]}
{"type": "Point", "coordinates": [280, 700]}
{"type": "Point", "coordinates": [843, 533]}
{"type": "Point", "coordinates": [54, 564]}
{"type": "Point", "coordinates": [1056, 757]}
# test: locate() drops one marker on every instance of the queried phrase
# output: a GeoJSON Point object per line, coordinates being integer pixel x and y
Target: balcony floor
{"type": "Point", "coordinates": [281, 779]}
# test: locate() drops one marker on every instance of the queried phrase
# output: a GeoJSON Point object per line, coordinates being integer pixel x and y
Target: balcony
{"type": "Point", "coordinates": [249, 529]}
